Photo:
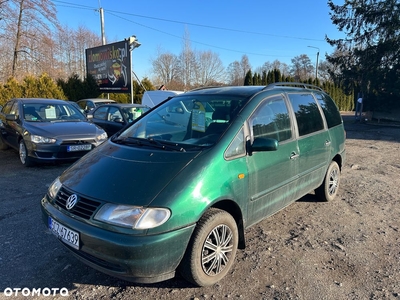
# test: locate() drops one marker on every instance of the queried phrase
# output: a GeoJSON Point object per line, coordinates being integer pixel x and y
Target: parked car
{"type": "Point", "coordinates": [47, 130]}
{"type": "Point", "coordinates": [179, 198]}
{"type": "Point", "coordinates": [88, 105]}
{"type": "Point", "coordinates": [113, 117]}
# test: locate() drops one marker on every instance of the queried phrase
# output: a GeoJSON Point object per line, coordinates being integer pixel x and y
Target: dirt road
{"type": "Point", "coordinates": [345, 249]}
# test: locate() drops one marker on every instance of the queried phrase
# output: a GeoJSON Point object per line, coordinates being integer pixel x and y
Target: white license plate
{"type": "Point", "coordinates": [67, 235]}
{"type": "Point", "coordinates": [86, 147]}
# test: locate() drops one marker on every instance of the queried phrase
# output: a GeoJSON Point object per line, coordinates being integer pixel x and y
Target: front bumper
{"type": "Point", "coordinates": [54, 152]}
{"type": "Point", "coordinates": [142, 259]}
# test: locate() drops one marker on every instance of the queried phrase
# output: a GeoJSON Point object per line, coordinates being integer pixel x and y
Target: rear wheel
{"type": "Point", "coordinates": [23, 154]}
{"type": "Point", "coordinates": [327, 191]}
{"type": "Point", "coordinates": [212, 249]}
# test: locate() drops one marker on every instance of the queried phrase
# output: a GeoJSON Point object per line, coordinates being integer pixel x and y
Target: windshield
{"type": "Point", "coordinates": [41, 112]}
{"type": "Point", "coordinates": [186, 121]}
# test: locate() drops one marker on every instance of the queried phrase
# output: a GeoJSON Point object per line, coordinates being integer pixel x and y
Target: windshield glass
{"type": "Point", "coordinates": [41, 112]}
{"type": "Point", "coordinates": [186, 121]}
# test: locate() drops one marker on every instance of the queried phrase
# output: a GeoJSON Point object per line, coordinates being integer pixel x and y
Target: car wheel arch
{"type": "Point", "coordinates": [211, 251]}
{"type": "Point", "coordinates": [235, 211]}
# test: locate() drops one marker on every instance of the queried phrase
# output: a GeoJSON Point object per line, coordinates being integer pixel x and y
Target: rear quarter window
{"type": "Point", "coordinates": [331, 112]}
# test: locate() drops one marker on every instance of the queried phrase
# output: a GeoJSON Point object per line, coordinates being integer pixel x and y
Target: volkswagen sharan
{"type": "Point", "coordinates": [167, 195]}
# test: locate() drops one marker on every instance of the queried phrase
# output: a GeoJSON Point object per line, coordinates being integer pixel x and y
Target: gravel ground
{"type": "Point", "coordinates": [345, 249]}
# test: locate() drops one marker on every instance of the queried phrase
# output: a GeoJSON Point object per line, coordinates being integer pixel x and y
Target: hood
{"type": "Point", "coordinates": [62, 130]}
{"type": "Point", "coordinates": [125, 175]}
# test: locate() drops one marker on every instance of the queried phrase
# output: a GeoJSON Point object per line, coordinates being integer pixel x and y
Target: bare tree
{"type": "Point", "coordinates": [166, 68]}
{"type": "Point", "coordinates": [323, 71]}
{"type": "Point", "coordinates": [302, 68]}
{"type": "Point", "coordinates": [234, 74]}
{"type": "Point", "coordinates": [245, 65]}
{"type": "Point", "coordinates": [275, 65]}
{"type": "Point", "coordinates": [187, 62]}
{"type": "Point", "coordinates": [30, 22]}
{"type": "Point", "coordinates": [209, 69]}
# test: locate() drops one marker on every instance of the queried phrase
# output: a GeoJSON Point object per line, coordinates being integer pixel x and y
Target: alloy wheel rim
{"type": "Point", "coordinates": [217, 249]}
{"type": "Point", "coordinates": [22, 152]}
{"type": "Point", "coordinates": [333, 182]}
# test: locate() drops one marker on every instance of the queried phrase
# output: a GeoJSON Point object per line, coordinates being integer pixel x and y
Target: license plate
{"type": "Point", "coordinates": [66, 235]}
{"type": "Point", "coordinates": [85, 147]}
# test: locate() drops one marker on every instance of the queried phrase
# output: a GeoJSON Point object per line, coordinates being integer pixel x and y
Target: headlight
{"type": "Point", "coordinates": [102, 137]}
{"type": "Point", "coordinates": [37, 139]}
{"type": "Point", "coordinates": [135, 217]}
{"type": "Point", "coordinates": [54, 188]}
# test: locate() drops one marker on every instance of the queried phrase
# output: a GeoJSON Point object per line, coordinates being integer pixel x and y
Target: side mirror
{"type": "Point", "coordinates": [11, 117]}
{"type": "Point", "coordinates": [264, 144]}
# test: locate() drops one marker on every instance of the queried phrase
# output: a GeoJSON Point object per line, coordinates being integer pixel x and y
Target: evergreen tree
{"type": "Point", "coordinates": [264, 78]}
{"type": "Point", "coordinates": [369, 55]}
{"type": "Point", "coordinates": [248, 79]}
{"type": "Point", "coordinates": [11, 89]}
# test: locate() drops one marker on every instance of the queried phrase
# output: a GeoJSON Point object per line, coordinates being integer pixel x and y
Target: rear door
{"type": "Point", "coordinates": [272, 175]}
{"type": "Point", "coordinates": [313, 141]}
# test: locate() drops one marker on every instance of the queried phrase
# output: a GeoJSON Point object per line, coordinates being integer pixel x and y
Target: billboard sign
{"type": "Point", "coordinates": [110, 65]}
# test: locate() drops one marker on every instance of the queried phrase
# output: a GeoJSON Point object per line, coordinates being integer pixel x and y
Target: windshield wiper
{"type": "Point", "coordinates": [166, 145]}
{"type": "Point", "coordinates": [127, 141]}
{"type": "Point", "coordinates": [148, 142]}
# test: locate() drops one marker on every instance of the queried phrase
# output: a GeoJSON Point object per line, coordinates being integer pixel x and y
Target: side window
{"type": "Point", "coordinates": [101, 113]}
{"type": "Point", "coordinates": [90, 105]}
{"type": "Point", "coordinates": [115, 115]}
{"type": "Point", "coordinates": [271, 120]}
{"type": "Point", "coordinates": [331, 112]}
{"type": "Point", "coordinates": [14, 108]}
{"type": "Point", "coordinates": [82, 105]}
{"type": "Point", "coordinates": [237, 147]}
{"type": "Point", "coordinates": [307, 113]}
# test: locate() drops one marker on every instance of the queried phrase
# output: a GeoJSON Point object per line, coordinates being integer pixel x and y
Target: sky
{"type": "Point", "coordinates": [264, 30]}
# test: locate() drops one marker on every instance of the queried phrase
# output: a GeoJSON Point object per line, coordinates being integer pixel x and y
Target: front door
{"type": "Point", "coordinates": [272, 174]}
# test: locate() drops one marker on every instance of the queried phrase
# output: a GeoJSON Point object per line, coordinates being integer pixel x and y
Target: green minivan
{"type": "Point", "coordinates": [176, 190]}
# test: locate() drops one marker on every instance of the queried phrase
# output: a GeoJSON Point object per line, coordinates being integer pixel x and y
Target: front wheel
{"type": "Point", "coordinates": [327, 191]}
{"type": "Point", "coordinates": [23, 154]}
{"type": "Point", "coordinates": [212, 249]}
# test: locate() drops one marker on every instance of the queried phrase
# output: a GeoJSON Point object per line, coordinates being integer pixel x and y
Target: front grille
{"type": "Point", "coordinates": [78, 142]}
{"type": "Point", "coordinates": [84, 207]}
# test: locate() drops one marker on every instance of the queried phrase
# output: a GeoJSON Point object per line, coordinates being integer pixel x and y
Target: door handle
{"type": "Point", "coordinates": [327, 143]}
{"type": "Point", "coordinates": [294, 155]}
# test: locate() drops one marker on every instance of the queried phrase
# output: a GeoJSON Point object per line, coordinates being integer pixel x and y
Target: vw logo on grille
{"type": "Point", "coordinates": [71, 201]}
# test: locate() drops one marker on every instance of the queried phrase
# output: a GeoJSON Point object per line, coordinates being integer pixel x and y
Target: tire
{"type": "Point", "coordinates": [327, 191]}
{"type": "Point", "coordinates": [23, 154]}
{"type": "Point", "coordinates": [212, 249]}
{"type": "Point", "coordinates": [3, 145]}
